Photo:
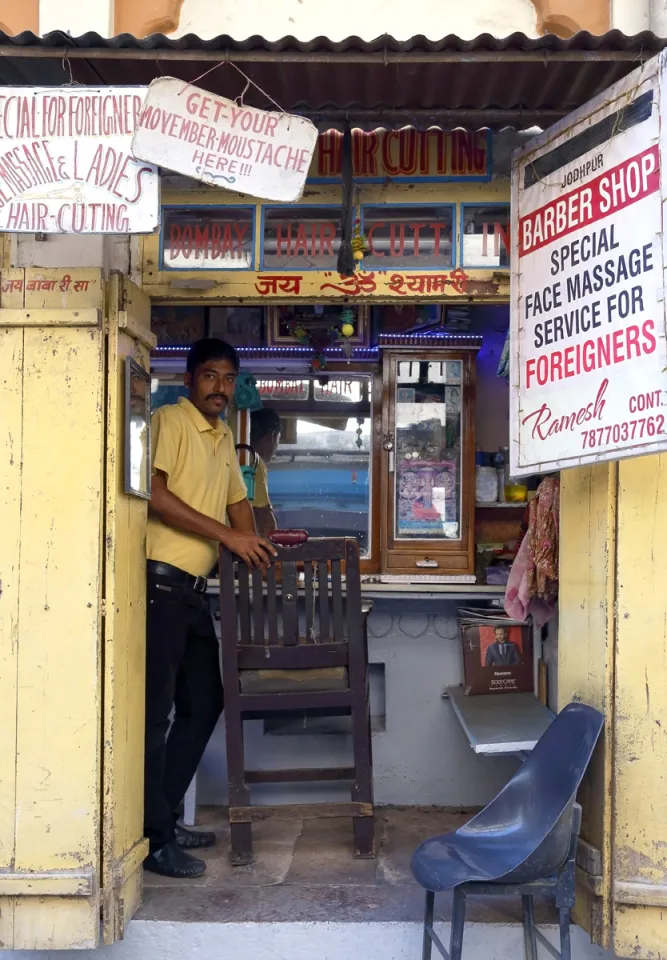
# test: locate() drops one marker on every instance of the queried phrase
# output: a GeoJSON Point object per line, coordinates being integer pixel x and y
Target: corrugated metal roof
{"type": "Point", "coordinates": [513, 81]}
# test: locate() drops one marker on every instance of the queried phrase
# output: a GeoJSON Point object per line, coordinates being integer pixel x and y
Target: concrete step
{"type": "Point", "coordinates": [161, 940]}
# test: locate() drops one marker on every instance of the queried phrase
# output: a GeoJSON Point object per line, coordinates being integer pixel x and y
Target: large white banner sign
{"type": "Point", "coordinates": [66, 164]}
{"type": "Point", "coordinates": [589, 364]}
{"type": "Point", "coordinates": [260, 153]}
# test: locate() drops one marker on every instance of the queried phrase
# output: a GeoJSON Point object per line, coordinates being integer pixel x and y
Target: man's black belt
{"type": "Point", "coordinates": [165, 571]}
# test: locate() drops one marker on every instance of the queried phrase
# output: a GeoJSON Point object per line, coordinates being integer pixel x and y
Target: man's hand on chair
{"type": "Point", "coordinates": [253, 550]}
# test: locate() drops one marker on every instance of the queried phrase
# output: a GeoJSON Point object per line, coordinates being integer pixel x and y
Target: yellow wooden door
{"type": "Point", "coordinates": [71, 612]}
{"type": "Point", "coordinates": [123, 846]}
{"type": "Point", "coordinates": [52, 355]}
{"type": "Point", "coordinates": [613, 654]}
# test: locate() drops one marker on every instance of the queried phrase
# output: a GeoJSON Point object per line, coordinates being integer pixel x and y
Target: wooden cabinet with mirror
{"type": "Point", "coordinates": [428, 461]}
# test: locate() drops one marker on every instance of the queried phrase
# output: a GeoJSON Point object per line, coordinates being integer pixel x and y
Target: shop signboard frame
{"type": "Point", "coordinates": [587, 320]}
{"type": "Point", "coordinates": [207, 214]}
{"type": "Point", "coordinates": [389, 144]}
{"type": "Point", "coordinates": [498, 205]}
{"type": "Point", "coordinates": [299, 264]}
{"type": "Point", "coordinates": [375, 261]}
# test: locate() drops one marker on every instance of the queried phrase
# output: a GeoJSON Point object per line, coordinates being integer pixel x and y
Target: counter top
{"type": "Point", "coordinates": [420, 591]}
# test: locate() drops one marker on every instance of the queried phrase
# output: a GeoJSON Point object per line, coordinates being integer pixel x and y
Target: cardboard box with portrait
{"type": "Point", "coordinates": [497, 657]}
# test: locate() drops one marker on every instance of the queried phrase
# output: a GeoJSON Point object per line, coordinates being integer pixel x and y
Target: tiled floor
{"type": "Point", "coordinates": [305, 870]}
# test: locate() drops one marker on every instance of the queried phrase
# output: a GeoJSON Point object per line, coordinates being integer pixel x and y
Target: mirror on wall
{"type": "Point", "coordinates": [137, 430]}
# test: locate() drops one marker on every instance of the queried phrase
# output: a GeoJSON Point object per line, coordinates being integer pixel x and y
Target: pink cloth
{"type": "Point", "coordinates": [532, 586]}
{"type": "Point", "coordinates": [518, 603]}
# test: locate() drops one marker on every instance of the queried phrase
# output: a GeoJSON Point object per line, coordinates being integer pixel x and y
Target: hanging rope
{"type": "Point", "coordinates": [346, 262]}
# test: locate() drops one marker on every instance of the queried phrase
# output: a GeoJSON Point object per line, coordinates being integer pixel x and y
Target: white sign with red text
{"type": "Point", "coordinates": [259, 153]}
{"type": "Point", "coordinates": [589, 363]}
{"type": "Point", "coordinates": [66, 164]}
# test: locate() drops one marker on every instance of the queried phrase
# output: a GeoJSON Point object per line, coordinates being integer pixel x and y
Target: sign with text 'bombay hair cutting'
{"type": "Point", "coordinates": [589, 361]}
{"type": "Point", "coordinates": [66, 164]}
{"type": "Point", "coordinates": [259, 153]}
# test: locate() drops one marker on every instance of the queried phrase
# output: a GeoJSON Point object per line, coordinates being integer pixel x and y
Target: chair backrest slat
{"type": "Point", "coordinates": [244, 603]}
{"type": "Point", "coordinates": [290, 608]}
{"type": "Point", "coordinates": [310, 601]}
{"type": "Point", "coordinates": [271, 605]}
{"type": "Point", "coordinates": [337, 602]}
{"type": "Point", "coordinates": [323, 600]}
{"type": "Point", "coordinates": [257, 606]}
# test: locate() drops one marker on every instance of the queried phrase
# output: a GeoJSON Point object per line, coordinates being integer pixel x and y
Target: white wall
{"type": "Point", "coordinates": [632, 16]}
{"type": "Point", "coordinates": [306, 19]}
{"type": "Point", "coordinates": [76, 16]}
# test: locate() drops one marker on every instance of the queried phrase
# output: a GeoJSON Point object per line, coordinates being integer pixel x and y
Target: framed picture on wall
{"type": "Point", "coordinates": [406, 318]}
{"type": "Point", "coordinates": [240, 326]}
{"type": "Point", "coordinates": [319, 323]}
{"type": "Point", "coordinates": [137, 430]}
{"type": "Point", "coordinates": [497, 655]}
{"type": "Point", "coordinates": [178, 326]}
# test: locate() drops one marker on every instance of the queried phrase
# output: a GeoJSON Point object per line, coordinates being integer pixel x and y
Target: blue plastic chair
{"type": "Point", "coordinates": [523, 843]}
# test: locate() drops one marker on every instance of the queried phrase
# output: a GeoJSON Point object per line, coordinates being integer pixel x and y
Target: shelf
{"type": "Point", "coordinates": [500, 723]}
{"type": "Point", "coordinates": [501, 506]}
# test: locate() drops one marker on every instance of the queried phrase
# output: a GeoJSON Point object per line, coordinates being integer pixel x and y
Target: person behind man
{"type": "Point", "coordinates": [198, 502]}
{"type": "Point", "coordinates": [264, 439]}
{"type": "Point", "coordinates": [502, 652]}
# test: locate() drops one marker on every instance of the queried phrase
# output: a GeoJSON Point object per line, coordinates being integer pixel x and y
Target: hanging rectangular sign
{"type": "Point", "coordinates": [258, 153]}
{"type": "Point", "coordinates": [589, 364]}
{"type": "Point", "coordinates": [66, 164]}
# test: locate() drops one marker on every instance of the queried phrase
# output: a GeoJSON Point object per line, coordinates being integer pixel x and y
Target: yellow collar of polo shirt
{"type": "Point", "coordinates": [200, 420]}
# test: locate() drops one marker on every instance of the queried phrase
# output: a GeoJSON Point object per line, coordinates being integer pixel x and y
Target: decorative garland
{"type": "Point", "coordinates": [359, 245]}
{"type": "Point", "coordinates": [321, 337]}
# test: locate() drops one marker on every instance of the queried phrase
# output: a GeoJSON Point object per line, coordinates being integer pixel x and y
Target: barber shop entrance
{"type": "Point", "coordinates": [389, 383]}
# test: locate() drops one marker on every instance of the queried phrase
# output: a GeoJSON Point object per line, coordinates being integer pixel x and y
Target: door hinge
{"type": "Point", "coordinates": [103, 608]}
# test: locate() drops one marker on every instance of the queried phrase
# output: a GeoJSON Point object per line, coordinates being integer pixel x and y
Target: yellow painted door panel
{"type": "Point", "coordinates": [613, 654]}
{"type": "Point", "coordinates": [72, 612]}
{"type": "Point", "coordinates": [585, 666]}
{"type": "Point", "coordinates": [640, 729]}
{"type": "Point", "coordinates": [51, 477]}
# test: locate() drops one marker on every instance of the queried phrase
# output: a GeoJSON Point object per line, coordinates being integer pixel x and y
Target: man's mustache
{"type": "Point", "coordinates": [217, 396]}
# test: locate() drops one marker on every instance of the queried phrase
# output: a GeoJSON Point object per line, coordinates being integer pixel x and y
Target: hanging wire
{"type": "Point", "coordinates": [249, 83]}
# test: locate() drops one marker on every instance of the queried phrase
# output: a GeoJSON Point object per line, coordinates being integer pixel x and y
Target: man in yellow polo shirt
{"type": "Point", "coordinates": [197, 490]}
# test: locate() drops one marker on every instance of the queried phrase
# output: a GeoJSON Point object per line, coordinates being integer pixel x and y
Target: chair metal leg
{"type": "Point", "coordinates": [565, 946]}
{"type": "Point", "coordinates": [458, 923]}
{"type": "Point", "coordinates": [529, 935]}
{"type": "Point", "coordinates": [428, 922]}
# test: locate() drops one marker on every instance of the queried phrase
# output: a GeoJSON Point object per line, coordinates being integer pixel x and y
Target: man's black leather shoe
{"type": "Point", "coordinates": [171, 861]}
{"type": "Point", "coordinates": [192, 839]}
